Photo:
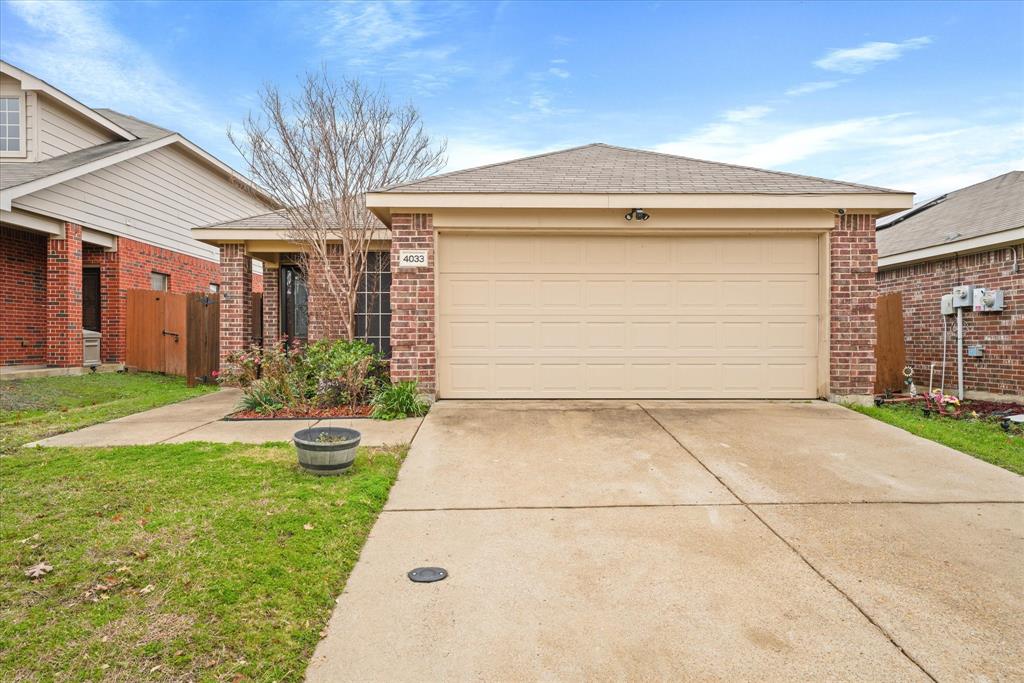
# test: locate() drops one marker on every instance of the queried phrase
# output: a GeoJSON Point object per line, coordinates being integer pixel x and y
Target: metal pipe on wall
{"type": "Point", "coordinates": [960, 353]}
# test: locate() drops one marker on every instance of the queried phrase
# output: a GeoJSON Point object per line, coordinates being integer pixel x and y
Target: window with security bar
{"type": "Point", "coordinates": [373, 303]}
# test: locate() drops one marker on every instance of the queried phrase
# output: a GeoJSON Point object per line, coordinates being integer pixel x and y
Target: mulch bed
{"type": "Point", "coordinates": [307, 413]}
{"type": "Point", "coordinates": [969, 407]}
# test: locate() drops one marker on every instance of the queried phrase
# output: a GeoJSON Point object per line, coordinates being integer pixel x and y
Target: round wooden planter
{"type": "Point", "coordinates": [325, 458]}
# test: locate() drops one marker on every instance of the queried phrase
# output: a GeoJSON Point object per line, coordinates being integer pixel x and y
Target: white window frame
{"type": "Point", "coordinates": [166, 281]}
{"type": "Point", "coordinates": [22, 152]}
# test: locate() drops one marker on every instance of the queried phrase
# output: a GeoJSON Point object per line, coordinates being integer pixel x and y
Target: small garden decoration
{"type": "Point", "coordinates": [324, 379]}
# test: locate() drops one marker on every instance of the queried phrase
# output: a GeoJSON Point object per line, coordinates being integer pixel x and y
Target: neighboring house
{"type": "Point", "coordinates": [973, 236]}
{"type": "Point", "coordinates": [526, 280]}
{"type": "Point", "coordinates": [94, 203]}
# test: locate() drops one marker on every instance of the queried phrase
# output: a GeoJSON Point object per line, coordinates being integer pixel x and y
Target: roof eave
{"type": "Point", "coordinates": [981, 243]}
{"type": "Point", "coordinates": [30, 82]}
{"type": "Point", "coordinates": [385, 203]}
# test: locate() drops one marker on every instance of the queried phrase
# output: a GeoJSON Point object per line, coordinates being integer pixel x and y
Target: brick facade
{"type": "Point", "coordinates": [412, 303]}
{"type": "Point", "coordinates": [40, 275]}
{"type": "Point", "coordinates": [326, 316]}
{"type": "Point", "coordinates": [852, 293]}
{"type": "Point", "coordinates": [1001, 369]}
{"type": "Point", "coordinates": [22, 297]}
{"type": "Point", "coordinates": [235, 299]}
{"type": "Point", "coordinates": [271, 305]}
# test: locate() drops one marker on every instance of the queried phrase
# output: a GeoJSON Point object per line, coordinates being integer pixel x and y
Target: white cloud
{"type": "Point", "coordinates": [75, 48]}
{"type": "Point", "coordinates": [558, 73]}
{"type": "Point", "coordinates": [857, 60]}
{"type": "Point", "coordinates": [391, 39]}
{"type": "Point", "coordinates": [906, 151]}
{"type": "Point", "coordinates": [813, 86]}
{"type": "Point", "coordinates": [751, 113]}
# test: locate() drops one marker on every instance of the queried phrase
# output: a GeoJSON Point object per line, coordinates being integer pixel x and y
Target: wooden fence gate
{"type": "Point", "coordinates": [890, 350]}
{"type": "Point", "coordinates": [176, 334]}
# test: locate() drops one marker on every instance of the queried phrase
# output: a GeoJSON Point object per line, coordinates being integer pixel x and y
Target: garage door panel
{"type": "Point", "coordinates": [638, 336]}
{"type": "Point", "coordinates": [575, 316]}
{"type": "Point", "coordinates": [492, 254]}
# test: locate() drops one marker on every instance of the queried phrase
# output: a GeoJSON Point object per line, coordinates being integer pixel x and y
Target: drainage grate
{"type": "Point", "coordinates": [427, 574]}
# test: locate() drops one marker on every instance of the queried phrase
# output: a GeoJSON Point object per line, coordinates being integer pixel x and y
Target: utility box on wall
{"type": "Point", "coordinates": [988, 300]}
{"type": "Point", "coordinates": [963, 296]}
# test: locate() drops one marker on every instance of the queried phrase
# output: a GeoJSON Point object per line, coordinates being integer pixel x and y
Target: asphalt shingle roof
{"type": "Point", "coordinates": [12, 174]}
{"type": "Point", "coordinates": [605, 169]}
{"type": "Point", "coordinates": [988, 207]}
{"type": "Point", "coordinates": [275, 220]}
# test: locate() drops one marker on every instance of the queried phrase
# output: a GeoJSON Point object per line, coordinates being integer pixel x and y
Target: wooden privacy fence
{"type": "Point", "coordinates": [890, 351]}
{"type": "Point", "coordinates": [176, 334]}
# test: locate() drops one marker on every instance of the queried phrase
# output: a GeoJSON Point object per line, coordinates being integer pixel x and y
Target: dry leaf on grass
{"type": "Point", "coordinates": [148, 589]}
{"type": "Point", "coordinates": [38, 571]}
{"type": "Point", "coordinates": [308, 527]}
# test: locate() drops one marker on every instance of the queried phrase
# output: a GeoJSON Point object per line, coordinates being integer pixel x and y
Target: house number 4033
{"type": "Point", "coordinates": [412, 258]}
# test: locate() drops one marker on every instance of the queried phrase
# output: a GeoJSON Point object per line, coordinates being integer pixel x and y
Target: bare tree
{"type": "Point", "coordinates": [318, 153]}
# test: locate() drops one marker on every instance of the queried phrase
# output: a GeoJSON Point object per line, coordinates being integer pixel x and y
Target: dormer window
{"type": "Point", "coordinates": [11, 124]}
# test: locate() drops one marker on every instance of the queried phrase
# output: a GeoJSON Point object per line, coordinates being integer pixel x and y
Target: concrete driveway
{"type": "Point", "coordinates": [661, 540]}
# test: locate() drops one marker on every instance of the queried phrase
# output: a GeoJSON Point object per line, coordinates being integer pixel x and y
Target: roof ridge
{"type": "Point", "coordinates": [981, 182]}
{"type": "Point", "coordinates": [483, 166]}
{"type": "Point", "coordinates": [750, 168]}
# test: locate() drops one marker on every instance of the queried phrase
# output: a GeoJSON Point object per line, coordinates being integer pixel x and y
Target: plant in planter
{"type": "Point", "coordinates": [326, 451]}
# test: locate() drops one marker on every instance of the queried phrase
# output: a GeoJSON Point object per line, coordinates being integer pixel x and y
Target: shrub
{"type": "Point", "coordinates": [324, 374]}
{"type": "Point", "coordinates": [396, 401]}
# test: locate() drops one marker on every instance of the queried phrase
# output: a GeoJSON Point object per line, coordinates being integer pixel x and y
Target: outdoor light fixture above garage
{"type": "Point", "coordinates": [638, 214]}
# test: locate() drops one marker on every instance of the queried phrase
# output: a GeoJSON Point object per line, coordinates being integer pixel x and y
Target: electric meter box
{"type": "Point", "coordinates": [963, 296]}
{"type": "Point", "coordinates": [988, 300]}
{"type": "Point", "coordinates": [947, 304]}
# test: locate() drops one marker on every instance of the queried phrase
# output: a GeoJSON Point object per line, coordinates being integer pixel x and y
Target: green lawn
{"type": "Point", "coordinates": [982, 439]}
{"type": "Point", "coordinates": [176, 562]}
{"type": "Point", "coordinates": [32, 409]}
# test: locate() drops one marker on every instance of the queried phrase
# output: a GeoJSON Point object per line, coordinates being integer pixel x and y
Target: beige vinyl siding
{"type": "Point", "coordinates": [62, 131]}
{"type": "Point", "coordinates": [155, 198]}
{"type": "Point", "coordinates": [552, 316]}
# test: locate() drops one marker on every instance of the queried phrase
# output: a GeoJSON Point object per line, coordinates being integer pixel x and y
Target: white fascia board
{"type": "Point", "coordinates": [99, 238]}
{"type": "Point", "coordinates": [30, 82]}
{"type": "Point", "coordinates": [982, 243]}
{"type": "Point", "coordinates": [877, 203]}
{"type": "Point", "coordinates": [29, 221]}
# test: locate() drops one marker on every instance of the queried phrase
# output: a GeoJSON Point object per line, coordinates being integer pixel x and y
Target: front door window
{"type": "Point", "coordinates": [91, 299]}
{"type": "Point", "coordinates": [294, 304]}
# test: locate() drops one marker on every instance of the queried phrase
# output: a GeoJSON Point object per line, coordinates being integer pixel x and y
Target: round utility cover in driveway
{"type": "Point", "coordinates": [427, 574]}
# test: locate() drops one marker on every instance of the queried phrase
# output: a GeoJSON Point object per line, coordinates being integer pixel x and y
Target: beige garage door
{"type": "Point", "coordinates": [523, 316]}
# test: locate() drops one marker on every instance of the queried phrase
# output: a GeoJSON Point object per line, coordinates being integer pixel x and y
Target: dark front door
{"type": "Point", "coordinates": [294, 304]}
{"type": "Point", "coordinates": [91, 299]}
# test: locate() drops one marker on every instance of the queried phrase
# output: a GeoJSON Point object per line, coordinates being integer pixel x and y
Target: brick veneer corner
{"type": "Point", "coordinates": [271, 306]}
{"type": "Point", "coordinates": [1000, 369]}
{"type": "Point", "coordinates": [235, 300]}
{"type": "Point", "coordinates": [22, 297]}
{"type": "Point", "coordinates": [853, 292]}
{"type": "Point", "coordinates": [326, 315]}
{"type": "Point", "coordinates": [64, 298]}
{"type": "Point", "coordinates": [412, 303]}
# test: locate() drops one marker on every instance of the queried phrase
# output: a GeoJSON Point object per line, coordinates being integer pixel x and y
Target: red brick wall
{"type": "Point", "coordinates": [26, 306]}
{"type": "Point", "coordinates": [271, 306]}
{"type": "Point", "coordinates": [235, 300]}
{"type": "Point", "coordinates": [1001, 369]}
{"type": "Point", "coordinates": [22, 297]}
{"type": "Point", "coordinates": [853, 291]}
{"type": "Point", "coordinates": [64, 298]}
{"type": "Point", "coordinates": [327, 314]}
{"type": "Point", "coordinates": [412, 303]}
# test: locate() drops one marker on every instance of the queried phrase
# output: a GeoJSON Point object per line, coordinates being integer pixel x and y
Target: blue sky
{"type": "Point", "coordinates": [918, 96]}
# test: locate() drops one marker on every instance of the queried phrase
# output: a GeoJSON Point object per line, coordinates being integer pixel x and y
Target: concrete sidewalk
{"type": "Point", "coordinates": [200, 419]}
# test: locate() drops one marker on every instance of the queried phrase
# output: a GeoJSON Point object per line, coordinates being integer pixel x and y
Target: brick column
{"type": "Point", "coordinates": [64, 298]}
{"type": "Point", "coordinates": [412, 303]}
{"type": "Point", "coordinates": [235, 299]}
{"type": "Point", "coordinates": [271, 305]}
{"type": "Point", "coordinates": [853, 291]}
{"type": "Point", "coordinates": [113, 308]}
{"type": "Point", "coordinates": [326, 314]}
